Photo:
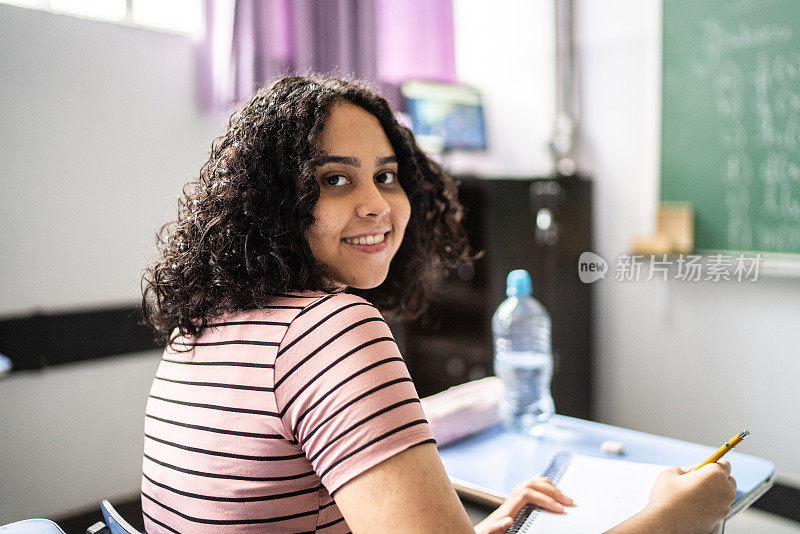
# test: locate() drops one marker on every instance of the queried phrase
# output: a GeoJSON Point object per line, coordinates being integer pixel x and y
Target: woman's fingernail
{"type": "Point", "coordinates": [558, 507]}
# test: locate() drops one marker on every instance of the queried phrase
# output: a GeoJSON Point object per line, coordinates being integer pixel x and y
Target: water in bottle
{"type": "Point", "coordinates": [523, 356]}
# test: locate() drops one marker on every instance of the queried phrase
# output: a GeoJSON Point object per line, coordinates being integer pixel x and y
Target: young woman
{"type": "Point", "coordinates": [282, 403]}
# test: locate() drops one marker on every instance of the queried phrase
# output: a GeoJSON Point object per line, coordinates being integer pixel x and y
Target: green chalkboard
{"type": "Point", "coordinates": [730, 141]}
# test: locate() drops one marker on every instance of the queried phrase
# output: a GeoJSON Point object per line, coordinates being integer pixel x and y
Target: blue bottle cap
{"type": "Point", "coordinates": [518, 283]}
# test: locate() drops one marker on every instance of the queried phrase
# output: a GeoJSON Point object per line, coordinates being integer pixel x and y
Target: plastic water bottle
{"type": "Point", "coordinates": [523, 358]}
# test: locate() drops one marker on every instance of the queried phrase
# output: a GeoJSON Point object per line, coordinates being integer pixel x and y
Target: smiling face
{"type": "Point", "coordinates": [362, 212]}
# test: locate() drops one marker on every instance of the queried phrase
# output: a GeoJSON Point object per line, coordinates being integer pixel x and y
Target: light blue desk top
{"type": "Point", "coordinates": [488, 465]}
{"type": "Point", "coordinates": [31, 526]}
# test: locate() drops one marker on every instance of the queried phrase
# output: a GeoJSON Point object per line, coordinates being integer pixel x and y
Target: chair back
{"type": "Point", "coordinates": [114, 521]}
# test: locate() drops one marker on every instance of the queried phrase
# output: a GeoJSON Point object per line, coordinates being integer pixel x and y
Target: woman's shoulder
{"type": "Point", "coordinates": [306, 304]}
{"type": "Point", "coordinates": [327, 313]}
{"type": "Point", "coordinates": [323, 306]}
{"type": "Point", "coordinates": [341, 299]}
{"type": "Point", "coordinates": [330, 324]}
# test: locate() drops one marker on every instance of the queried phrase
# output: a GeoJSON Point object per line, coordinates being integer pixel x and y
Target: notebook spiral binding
{"type": "Point", "coordinates": [523, 521]}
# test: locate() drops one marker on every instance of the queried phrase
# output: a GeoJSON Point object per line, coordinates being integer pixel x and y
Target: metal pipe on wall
{"type": "Point", "coordinates": [562, 142]}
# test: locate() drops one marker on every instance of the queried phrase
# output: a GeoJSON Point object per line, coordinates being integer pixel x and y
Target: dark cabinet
{"type": "Point", "coordinates": [542, 225]}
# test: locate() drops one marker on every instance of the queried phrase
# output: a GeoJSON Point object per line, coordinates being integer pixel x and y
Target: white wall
{"type": "Point", "coordinates": [506, 49]}
{"type": "Point", "coordinates": [100, 129]}
{"type": "Point", "coordinates": [72, 435]}
{"type": "Point", "coordinates": [695, 361]}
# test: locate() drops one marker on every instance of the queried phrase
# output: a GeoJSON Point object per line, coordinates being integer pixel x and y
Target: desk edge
{"type": "Point", "coordinates": [752, 496]}
{"type": "Point", "coordinates": [476, 494]}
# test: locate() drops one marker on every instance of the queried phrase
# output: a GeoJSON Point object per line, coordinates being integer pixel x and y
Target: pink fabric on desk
{"type": "Point", "coordinates": [463, 410]}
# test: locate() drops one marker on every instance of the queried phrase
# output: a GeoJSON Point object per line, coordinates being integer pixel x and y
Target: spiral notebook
{"type": "Point", "coordinates": [605, 491]}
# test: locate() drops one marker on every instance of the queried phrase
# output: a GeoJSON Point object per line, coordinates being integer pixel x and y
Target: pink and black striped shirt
{"type": "Point", "coordinates": [270, 412]}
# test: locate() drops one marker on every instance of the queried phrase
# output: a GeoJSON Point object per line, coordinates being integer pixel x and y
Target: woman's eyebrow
{"type": "Point", "coordinates": [385, 160]}
{"type": "Point", "coordinates": [344, 160]}
{"type": "Point", "coordinates": [353, 162]}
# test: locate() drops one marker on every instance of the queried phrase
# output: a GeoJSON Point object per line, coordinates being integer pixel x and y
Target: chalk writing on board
{"type": "Point", "coordinates": [756, 106]}
{"type": "Point", "coordinates": [719, 41]}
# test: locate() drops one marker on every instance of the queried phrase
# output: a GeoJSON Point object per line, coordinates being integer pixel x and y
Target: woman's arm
{"type": "Point", "coordinates": [410, 492]}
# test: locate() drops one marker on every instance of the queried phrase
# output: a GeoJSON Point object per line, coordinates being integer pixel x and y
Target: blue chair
{"type": "Point", "coordinates": [5, 365]}
{"type": "Point", "coordinates": [114, 524]}
{"type": "Point", "coordinates": [31, 526]}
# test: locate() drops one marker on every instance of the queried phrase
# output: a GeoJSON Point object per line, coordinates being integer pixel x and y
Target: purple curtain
{"type": "Point", "coordinates": [415, 40]}
{"type": "Point", "coordinates": [248, 42]}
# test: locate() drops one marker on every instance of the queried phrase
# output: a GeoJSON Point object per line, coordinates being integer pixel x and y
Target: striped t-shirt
{"type": "Point", "coordinates": [270, 412]}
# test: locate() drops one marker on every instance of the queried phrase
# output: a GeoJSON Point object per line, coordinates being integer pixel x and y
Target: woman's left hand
{"type": "Point", "coordinates": [538, 491]}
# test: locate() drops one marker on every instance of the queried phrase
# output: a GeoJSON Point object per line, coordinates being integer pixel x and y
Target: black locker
{"type": "Point", "coordinates": [542, 225]}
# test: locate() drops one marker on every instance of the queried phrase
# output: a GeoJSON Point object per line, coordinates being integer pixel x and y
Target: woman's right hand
{"type": "Point", "coordinates": [691, 502]}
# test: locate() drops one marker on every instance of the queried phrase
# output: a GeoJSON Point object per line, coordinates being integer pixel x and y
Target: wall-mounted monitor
{"type": "Point", "coordinates": [445, 116]}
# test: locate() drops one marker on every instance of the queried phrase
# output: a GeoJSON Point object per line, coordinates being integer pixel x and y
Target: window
{"type": "Point", "coordinates": [183, 16]}
{"type": "Point", "coordinates": [180, 16]}
{"type": "Point", "coordinates": [28, 3]}
{"type": "Point", "coordinates": [112, 10]}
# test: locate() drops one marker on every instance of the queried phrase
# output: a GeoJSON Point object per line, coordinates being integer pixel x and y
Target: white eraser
{"type": "Point", "coordinates": [612, 447]}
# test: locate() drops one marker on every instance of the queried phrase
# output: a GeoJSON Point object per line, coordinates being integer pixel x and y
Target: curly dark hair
{"type": "Point", "coordinates": [239, 238]}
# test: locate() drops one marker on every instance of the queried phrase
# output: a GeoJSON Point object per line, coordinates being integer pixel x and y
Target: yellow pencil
{"type": "Point", "coordinates": [731, 443]}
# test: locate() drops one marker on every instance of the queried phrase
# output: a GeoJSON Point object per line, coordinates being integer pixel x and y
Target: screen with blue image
{"type": "Point", "coordinates": [450, 113]}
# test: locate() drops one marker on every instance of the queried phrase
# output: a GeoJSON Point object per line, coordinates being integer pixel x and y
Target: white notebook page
{"type": "Point", "coordinates": [606, 492]}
